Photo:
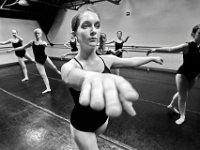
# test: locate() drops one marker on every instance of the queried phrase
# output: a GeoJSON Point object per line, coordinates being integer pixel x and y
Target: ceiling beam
{"type": "Point", "coordinates": [3, 3]}
{"type": "Point", "coordinates": [48, 4]}
{"type": "Point", "coordinates": [19, 11]}
{"type": "Point", "coordinates": [116, 2]}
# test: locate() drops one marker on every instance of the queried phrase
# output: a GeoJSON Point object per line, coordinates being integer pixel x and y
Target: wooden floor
{"type": "Point", "coordinates": [30, 119]}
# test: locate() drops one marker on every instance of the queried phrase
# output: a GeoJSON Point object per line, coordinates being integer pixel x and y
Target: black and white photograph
{"type": "Point", "coordinates": [99, 75]}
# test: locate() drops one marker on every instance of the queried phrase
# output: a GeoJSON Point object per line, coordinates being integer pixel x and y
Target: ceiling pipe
{"type": "Point", "coordinates": [48, 4]}
{"type": "Point", "coordinates": [3, 3]}
{"type": "Point", "coordinates": [115, 1]}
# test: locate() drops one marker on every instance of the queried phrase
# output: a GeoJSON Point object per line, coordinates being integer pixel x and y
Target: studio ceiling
{"type": "Point", "coordinates": [37, 7]}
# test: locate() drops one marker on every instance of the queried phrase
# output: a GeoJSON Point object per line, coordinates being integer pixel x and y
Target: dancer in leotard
{"type": "Point", "coordinates": [102, 49]}
{"type": "Point", "coordinates": [71, 44]}
{"type": "Point", "coordinates": [41, 58]}
{"type": "Point", "coordinates": [97, 94]}
{"type": "Point", "coordinates": [119, 42]}
{"type": "Point", "coordinates": [17, 41]}
{"type": "Point", "coordinates": [187, 72]}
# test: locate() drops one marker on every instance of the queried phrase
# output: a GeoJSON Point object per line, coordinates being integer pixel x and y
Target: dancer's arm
{"type": "Point", "coordinates": [126, 39]}
{"type": "Point", "coordinates": [19, 37]}
{"type": "Point", "coordinates": [174, 49]}
{"type": "Point", "coordinates": [6, 42]}
{"type": "Point", "coordinates": [22, 47]}
{"type": "Point", "coordinates": [109, 42]}
{"type": "Point", "coordinates": [68, 53]}
{"type": "Point", "coordinates": [116, 62]}
{"type": "Point", "coordinates": [100, 90]}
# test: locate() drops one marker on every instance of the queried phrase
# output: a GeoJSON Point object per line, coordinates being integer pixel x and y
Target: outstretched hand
{"type": "Point", "coordinates": [63, 56]}
{"type": "Point", "coordinates": [8, 51]}
{"type": "Point", "coordinates": [123, 50]}
{"type": "Point", "coordinates": [150, 51]}
{"type": "Point", "coordinates": [158, 60]}
{"type": "Point", "coordinates": [108, 91]}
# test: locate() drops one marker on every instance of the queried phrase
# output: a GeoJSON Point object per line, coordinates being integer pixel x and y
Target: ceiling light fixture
{"type": "Point", "coordinates": [23, 3]}
{"type": "Point", "coordinates": [19, 2]}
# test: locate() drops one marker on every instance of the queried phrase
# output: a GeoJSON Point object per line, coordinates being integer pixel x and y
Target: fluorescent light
{"type": "Point", "coordinates": [23, 3]}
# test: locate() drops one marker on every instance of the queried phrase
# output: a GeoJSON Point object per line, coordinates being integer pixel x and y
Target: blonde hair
{"type": "Point", "coordinates": [37, 30]}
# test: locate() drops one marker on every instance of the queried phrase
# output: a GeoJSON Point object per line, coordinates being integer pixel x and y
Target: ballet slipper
{"type": "Point", "coordinates": [25, 79]}
{"type": "Point", "coordinates": [46, 91]}
{"type": "Point", "coordinates": [180, 121]}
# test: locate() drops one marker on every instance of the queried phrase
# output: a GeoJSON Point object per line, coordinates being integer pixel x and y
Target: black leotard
{"type": "Point", "coordinates": [73, 46]}
{"type": "Point", "coordinates": [117, 47]}
{"type": "Point", "coordinates": [191, 62]}
{"type": "Point", "coordinates": [84, 118]}
{"type": "Point", "coordinates": [19, 53]}
{"type": "Point", "coordinates": [39, 53]}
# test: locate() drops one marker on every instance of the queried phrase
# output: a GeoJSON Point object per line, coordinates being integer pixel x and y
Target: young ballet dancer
{"type": "Point", "coordinates": [73, 46]}
{"type": "Point", "coordinates": [119, 42]}
{"type": "Point", "coordinates": [17, 41]}
{"type": "Point", "coordinates": [102, 49]}
{"type": "Point", "coordinates": [187, 72]}
{"type": "Point", "coordinates": [97, 94]}
{"type": "Point", "coordinates": [38, 46]}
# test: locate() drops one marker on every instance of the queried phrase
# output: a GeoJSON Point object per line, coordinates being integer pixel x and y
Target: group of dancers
{"type": "Point", "coordinates": [38, 46]}
{"type": "Point", "coordinates": [96, 92]}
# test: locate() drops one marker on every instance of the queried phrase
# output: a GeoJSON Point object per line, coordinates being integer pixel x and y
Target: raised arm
{"type": "Point", "coordinates": [116, 62]}
{"type": "Point", "coordinates": [6, 42]}
{"type": "Point", "coordinates": [19, 37]}
{"type": "Point", "coordinates": [126, 39]}
{"type": "Point", "coordinates": [68, 53]}
{"type": "Point", "coordinates": [100, 90]}
{"type": "Point", "coordinates": [109, 42]}
{"type": "Point", "coordinates": [174, 49]}
{"type": "Point", "coordinates": [23, 47]}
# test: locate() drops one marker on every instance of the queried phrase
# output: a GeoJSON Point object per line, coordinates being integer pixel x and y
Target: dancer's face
{"type": "Point", "coordinates": [14, 33]}
{"type": "Point", "coordinates": [88, 31]}
{"type": "Point", "coordinates": [38, 34]}
{"type": "Point", "coordinates": [119, 35]}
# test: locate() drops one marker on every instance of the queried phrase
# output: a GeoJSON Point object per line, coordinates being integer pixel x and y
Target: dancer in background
{"type": "Point", "coordinates": [187, 73]}
{"type": "Point", "coordinates": [71, 44]}
{"type": "Point", "coordinates": [119, 42]}
{"type": "Point", "coordinates": [17, 41]}
{"type": "Point", "coordinates": [102, 49]}
{"type": "Point", "coordinates": [38, 46]}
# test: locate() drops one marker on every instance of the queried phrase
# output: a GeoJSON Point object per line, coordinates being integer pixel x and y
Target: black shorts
{"type": "Point", "coordinates": [189, 74]}
{"type": "Point", "coordinates": [41, 59]}
{"type": "Point", "coordinates": [118, 53]}
{"type": "Point", "coordinates": [20, 53]}
{"type": "Point", "coordinates": [86, 119]}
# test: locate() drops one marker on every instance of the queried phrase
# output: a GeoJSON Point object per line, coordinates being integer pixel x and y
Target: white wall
{"type": "Point", "coordinates": [152, 22]}
{"type": "Point", "coordinates": [24, 27]}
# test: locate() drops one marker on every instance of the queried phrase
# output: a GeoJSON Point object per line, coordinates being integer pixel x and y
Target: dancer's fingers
{"type": "Point", "coordinates": [128, 106]}
{"type": "Point", "coordinates": [97, 98]}
{"type": "Point", "coordinates": [126, 90]}
{"type": "Point", "coordinates": [113, 106]}
{"type": "Point", "coordinates": [84, 98]}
